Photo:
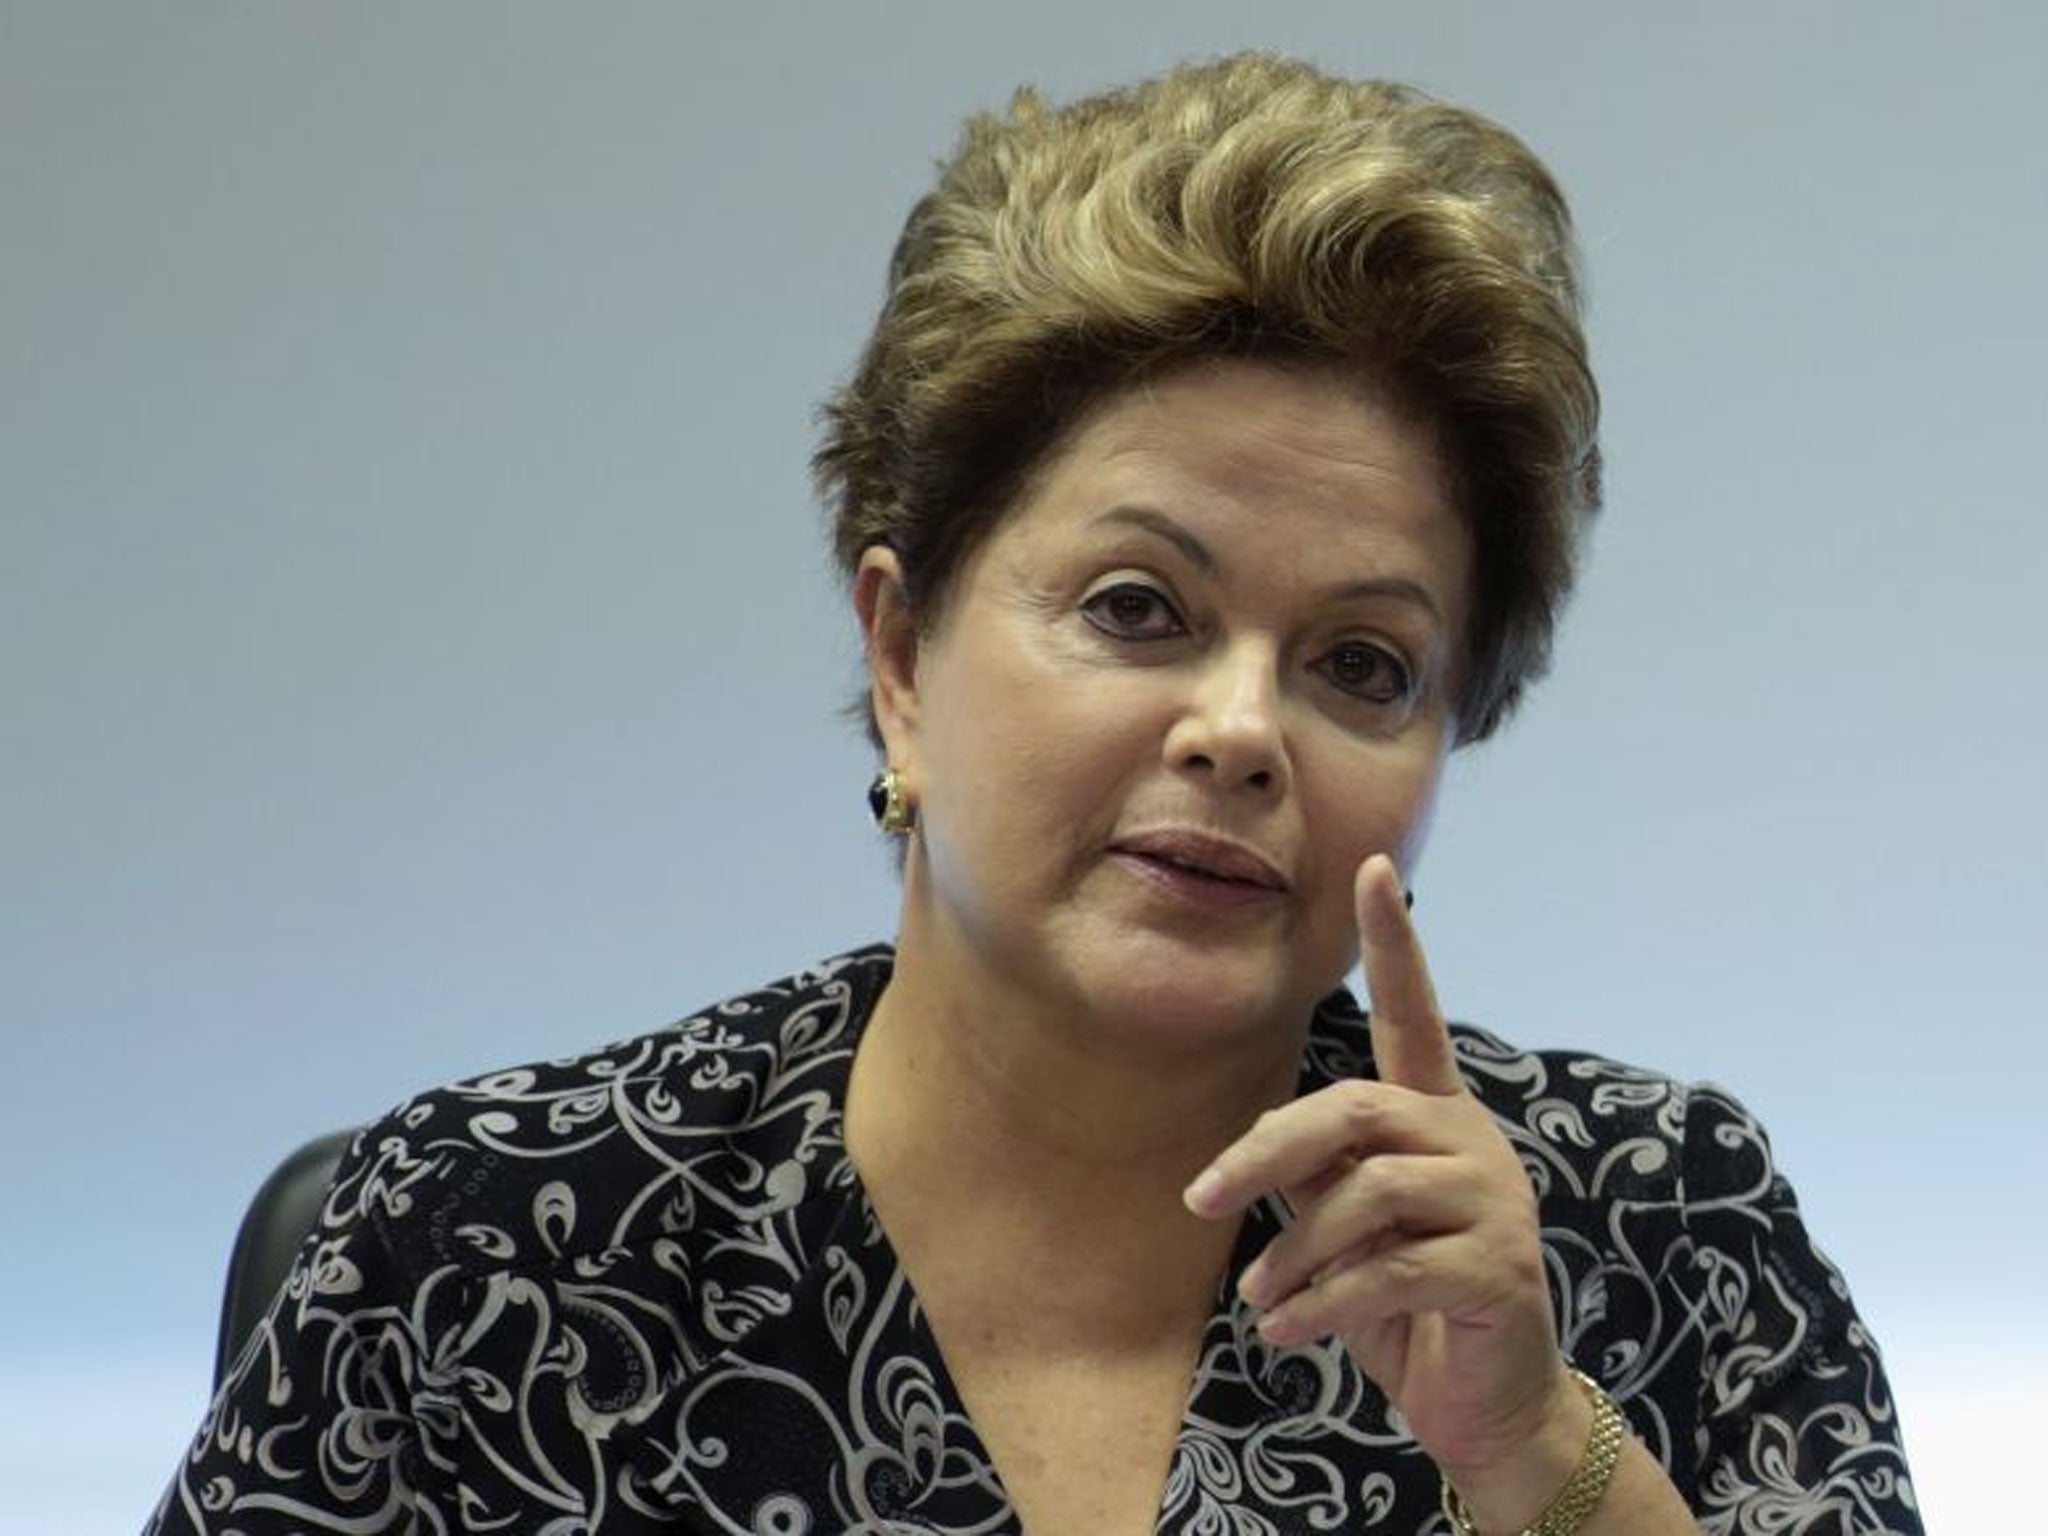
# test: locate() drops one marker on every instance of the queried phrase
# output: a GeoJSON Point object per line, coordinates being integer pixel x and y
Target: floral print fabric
{"type": "Point", "coordinates": [642, 1289]}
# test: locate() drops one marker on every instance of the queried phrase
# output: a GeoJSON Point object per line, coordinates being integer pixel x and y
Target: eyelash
{"type": "Point", "coordinates": [1097, 609]}
{"type": "Point", "coordinates": [1402, 687]}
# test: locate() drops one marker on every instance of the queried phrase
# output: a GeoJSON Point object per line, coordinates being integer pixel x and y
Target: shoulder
{"type": "Point", "coordinates": [537, 1164]}
{"type": "Point", "coordinates": [1615, 1129]}
{"type": "Point", "coordinates": [1586, 1125]}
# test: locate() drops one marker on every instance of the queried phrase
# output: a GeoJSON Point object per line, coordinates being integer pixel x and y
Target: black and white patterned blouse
{"type": "Point", "coordinates": [643, 1290]}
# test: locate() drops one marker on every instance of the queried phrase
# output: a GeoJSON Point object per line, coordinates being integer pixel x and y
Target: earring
{"type": "Point", "coordinates": [890, 807]}
{"type": "Point", "coordinates": [1408, 897]}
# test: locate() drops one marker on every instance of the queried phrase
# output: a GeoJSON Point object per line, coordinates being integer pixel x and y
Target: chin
{"type": "Point", "coordinates": [1189, 1001]}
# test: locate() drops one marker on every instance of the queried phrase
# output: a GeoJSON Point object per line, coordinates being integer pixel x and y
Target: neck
{"type": "Point", "coordinates": [979, 1061]}
{"type": "Point", "coordinates": [996, 1129]}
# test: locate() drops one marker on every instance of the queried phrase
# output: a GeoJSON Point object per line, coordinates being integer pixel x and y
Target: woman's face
{"type": "Point", "coordinates": [1198, 674]}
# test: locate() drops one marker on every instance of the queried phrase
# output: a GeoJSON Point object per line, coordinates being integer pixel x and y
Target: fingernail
{"type": "Point", "coordinates": [1201, 1195]}
{"type": "Point", "coordinates": [1251, 1285]}
{"type": "Point", "coordinates": [1278, 1328]}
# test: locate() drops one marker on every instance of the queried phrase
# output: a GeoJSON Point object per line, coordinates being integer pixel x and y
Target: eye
{"type": "Point", "coordinates": [1367, 671]}
{"type": "Point", "coordinates": [1131, 610]}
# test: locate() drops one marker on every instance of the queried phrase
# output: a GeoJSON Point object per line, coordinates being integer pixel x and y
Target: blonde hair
{"type": "Point", "coordinates": [1252, 206]}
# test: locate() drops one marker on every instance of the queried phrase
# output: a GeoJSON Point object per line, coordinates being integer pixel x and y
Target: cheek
{"type": "Point", "coordinates": [1030, 710]}
{"type": "Point", "coordinates": [1031, 759]}
{"type": "Point", "coordinates": [1377, 802]}
{"type": "Point", "coordinates": [1409, 848]}
{"type": "Point", "coordinates": [1066, 761]}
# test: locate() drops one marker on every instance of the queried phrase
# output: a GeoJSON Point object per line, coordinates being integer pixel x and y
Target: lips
{"type": "Point", "coordinates": [1202, 853]}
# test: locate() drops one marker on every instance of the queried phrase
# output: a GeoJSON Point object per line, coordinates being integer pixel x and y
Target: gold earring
{"type": "Point", "coordinates": [890, 807]}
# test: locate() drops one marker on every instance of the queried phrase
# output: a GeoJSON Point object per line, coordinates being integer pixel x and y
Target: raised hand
{"type": "Point", "coordinates": [1415, 1232]}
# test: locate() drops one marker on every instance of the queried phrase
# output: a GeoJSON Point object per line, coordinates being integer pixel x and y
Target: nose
{"type": "Point", "coordinates": [1229, 729]}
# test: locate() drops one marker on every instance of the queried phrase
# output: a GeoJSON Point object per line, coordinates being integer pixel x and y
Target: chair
{"type": "Point", "coordinates": [283, 1211]}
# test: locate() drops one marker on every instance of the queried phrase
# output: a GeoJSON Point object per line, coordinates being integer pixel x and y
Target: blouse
{"type": "Point", "coordinates": [642, 1289]}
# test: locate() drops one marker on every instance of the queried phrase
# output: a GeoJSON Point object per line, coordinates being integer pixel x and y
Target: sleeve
{"type": "Point", "coordinates": [317, 1427]}
{"type": "Point", "coordinates": [1797, 1430]}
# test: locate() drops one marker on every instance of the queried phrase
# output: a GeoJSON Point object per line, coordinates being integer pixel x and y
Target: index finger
{"type": "Point", "coordinates": [1410, 1045]}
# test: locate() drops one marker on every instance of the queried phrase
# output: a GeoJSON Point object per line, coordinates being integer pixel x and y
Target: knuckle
{"type": "Point", "coordinates": [1403, 1269]}
{"type": "Point", "coordinates": [1382, 1185]}
{"type": "Point", "coordinates": [1390, 1176]}
{"type": "Point", "coordinates": [1357, 1106]}
{"type": "Point", "coordinates": [1365, 1190]}
{"type": "Point", "coordinates": [1528, 1211]}
{"type": "Point", "coordinates": [1264, 1133]}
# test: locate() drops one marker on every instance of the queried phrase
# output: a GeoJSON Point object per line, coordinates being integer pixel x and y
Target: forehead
{"type": "Point", "coordinates": [1249, 450]}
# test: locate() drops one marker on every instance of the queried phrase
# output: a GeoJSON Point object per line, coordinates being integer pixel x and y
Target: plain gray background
{"type": "Point", "coordinates": [418, 652]}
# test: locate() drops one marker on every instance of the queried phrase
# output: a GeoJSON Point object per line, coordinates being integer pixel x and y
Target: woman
{"type": "Point", "coordinates": [1216, 466]}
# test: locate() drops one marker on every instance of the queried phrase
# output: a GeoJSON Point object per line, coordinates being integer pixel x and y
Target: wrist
{"type": "Point", "coordinates": [1554, 1481]}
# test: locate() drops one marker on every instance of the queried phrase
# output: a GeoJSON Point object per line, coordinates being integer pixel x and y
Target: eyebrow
{"type": "Point", "coordinates": [1158, 523]}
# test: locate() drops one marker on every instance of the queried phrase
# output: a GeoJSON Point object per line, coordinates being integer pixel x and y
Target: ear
{"type": "Point", "coordinates": [889, 639]}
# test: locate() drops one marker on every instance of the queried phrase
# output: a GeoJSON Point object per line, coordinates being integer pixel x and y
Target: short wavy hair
{"type": "Point", "coordinates": [1249, 207]}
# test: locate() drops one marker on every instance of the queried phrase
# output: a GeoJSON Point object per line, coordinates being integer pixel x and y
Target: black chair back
{"type": "Point", "coordinates": [277, 1221]}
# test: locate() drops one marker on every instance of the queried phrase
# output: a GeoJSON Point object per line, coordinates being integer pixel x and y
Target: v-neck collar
{"type": "Point", "coordinates": [832, 1407]}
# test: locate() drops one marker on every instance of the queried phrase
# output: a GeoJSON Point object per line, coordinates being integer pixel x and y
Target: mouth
{"type": "Point", "coordinates": [1198, 856]}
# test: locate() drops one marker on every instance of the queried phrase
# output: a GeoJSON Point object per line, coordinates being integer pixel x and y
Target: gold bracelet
{"type": "Point", "coordinates": [1586, 1486]}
